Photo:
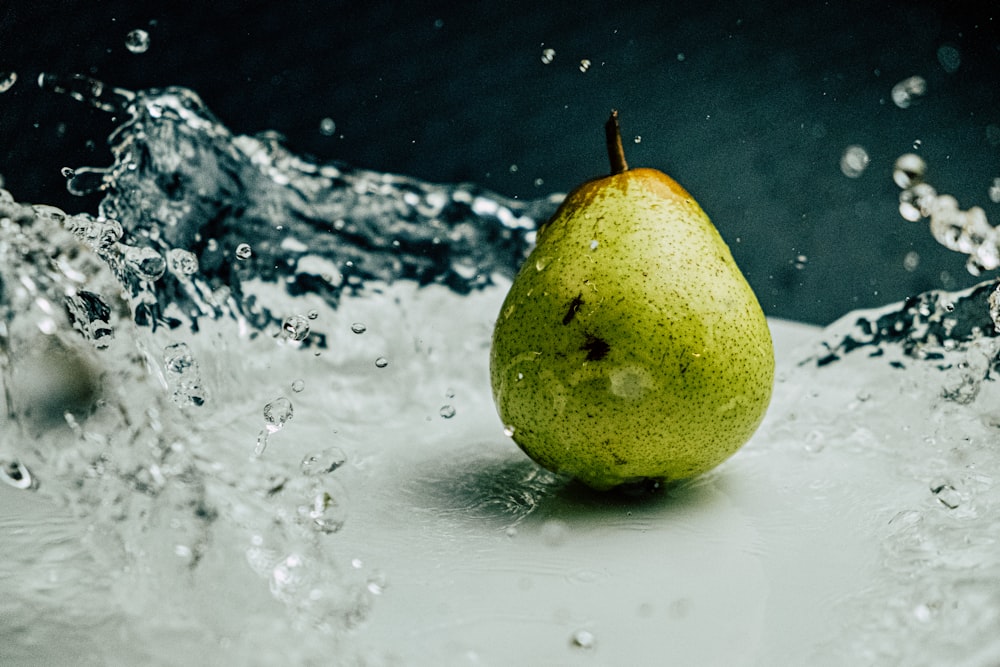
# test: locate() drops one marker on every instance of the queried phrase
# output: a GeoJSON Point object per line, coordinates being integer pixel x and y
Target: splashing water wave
{"type": "Point", "coordinates": [188, 377]}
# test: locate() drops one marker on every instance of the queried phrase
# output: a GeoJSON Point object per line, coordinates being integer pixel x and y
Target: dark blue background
{"type": "Point", "coordinates": [752, 121]}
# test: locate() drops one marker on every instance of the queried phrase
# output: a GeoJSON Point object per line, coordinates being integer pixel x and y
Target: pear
{"type": "Point", "coordinates": [630, 350]}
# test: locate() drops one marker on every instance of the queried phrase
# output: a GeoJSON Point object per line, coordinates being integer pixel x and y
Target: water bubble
{"type": "Point", "coordinates": [447, 411]}
{"type": "Point", "coordinates": [548, 55]}
{"type": "Point", "coordinates": [359, 327]}
{"type": "Point", "coordinates": [295, 327]}
{"type": "Point", "coordinates": [145, 263]}
{"type": "Point", "coordinates": [854, 161]}
{"type": "Point", "coordinates": [327, 127]}
{"type": "Point", "coordinates": [243, 251]}
{"type": "Point", "coordinates": [906, 91]}
{"type": "Point", "coordinates": [946, 494]}
{"type": "Point", "coordinates": [182, 262]}
{"type": "Point", "coordinates": [182, 374]}
{"type": "Point", "coordinates": [381, 362]}
{"type": "Point", "coordinates": [908, 170]}
{"type": "Point", "coordinates": [7, 81]}
{"type": "Point", "coordinates": [137, 41]}
{"type": "Point", "coordinates": [16, 474]}
{"type": "Point", "coordinates": [950, 57]}
{"type": "Point", "coordinates": [583, 639]}
{"type": "Point", "coordinates": [324, 462]}
{"type": "Point", "coordinates": [277, 413]}
{"type": "Point", "coordinates": [584, 65]}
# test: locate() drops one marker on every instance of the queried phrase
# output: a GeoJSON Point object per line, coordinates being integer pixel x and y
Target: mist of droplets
{"type": "Point", "coordinates": [965, 231]}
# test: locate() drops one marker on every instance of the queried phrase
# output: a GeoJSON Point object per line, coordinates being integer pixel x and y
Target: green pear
{"type": "Point", "coordinates": [630, 350]}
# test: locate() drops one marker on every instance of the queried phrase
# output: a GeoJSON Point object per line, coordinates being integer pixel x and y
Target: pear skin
{"type": "Point", "coordinates": [630, 348]}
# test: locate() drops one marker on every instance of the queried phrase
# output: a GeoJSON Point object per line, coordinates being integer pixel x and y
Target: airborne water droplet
{"type": "Point", "coordinates": [243, 251]}
{"type": "Point", "coordinates": [908, 90]}
{"type": "Point", "coordinates": [295, 327]}
{"type": "Point", "coordinates": [381, 362]}
{"type": "Point", "coordinates": [327, 127]}
{"type": "Point", "coordinates": [583, 639]}
{"type": "Point", "coordinates": [359, 328]}
{"type": "Point", "coordinates": [277, 413]}
{"type": "Point", "coordinates": [7, 81]}
{"type": "Point", "coordinates": [908, 170]}
{"type": "Point", "coordinates": [137, 41]}
{"type": "Point", "coordinates": [145, 263]}
{"type": "Point", "coordinates": [508, 431]}
{"type": "Point", "coordinates": [298, 385]}
{"type": "Point", "coordinates": [548, 55]}
{"type": "Point", "coordinates": [584, 65]}
{"type": "Point", "coordinates": [854, 161]}
{"type": "Point", "coordinates": [182, 262]}
{"type": "Point", "coordinates": [447, 411]}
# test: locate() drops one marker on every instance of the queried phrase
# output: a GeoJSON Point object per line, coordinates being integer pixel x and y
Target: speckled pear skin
{"type": "Point", "coordinates": [630, 348]}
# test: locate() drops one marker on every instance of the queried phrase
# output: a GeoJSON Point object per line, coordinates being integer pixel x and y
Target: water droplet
{"type": "Point", "coordinates": [995, 191]}
{"type": "Point", "coordinates": [638, 139]}
{"type": "Point", "coordinates": [908, 90]}
{"type": "Point", "coordinates": [327, 127]}
{"type": "Point", "coordinates": [312, 314]}
{"type": "Point", "coordinates": [359, 328]}
{"type": "Point", "coordinates": [261, 443]}
{"type": "Point", "coordinates": [7, 81]}
{"type": "Point", "coordinates": [911, 261]}
{"type": "Point", "coordinates": [376, 583]}
{"type": "Point", "coordinates": [681, 57]}
{"type": "Point", "coordinates": [277, 413]}
{"type": "Point", "coordinates": [539, 182]}
{"type": "Point", "coordinates": [145, 263]}
{"type": "Point", "coordinates": [554, 532]}
{"type": "Point", "coordinates": [511, 531]}
{"type": "Point", "coordinates": [381, 362]}
{"type": "Point", "coordinates": [137, 41]}
{"type": "Point", "coordinates": [593, 244]}
{"type": "Point", "coordinates": [854, 161]}
{"type": "Point", "coordinates": [182, 262]}
{"type": "Point", "coordinates": [909, 170]}
{"type": "Point", "coordinates": [67, 172]}
{"type": "Point", "coordinates": [584, 65]}
{"type": "Point", "coordinates": [548, 55]}
{"type": "Point", "coordinates": [295, 327]}
{"type": "Point", "coordinates": [508, 431]}
{"type": "Point", "coordinates": [243, 251]}
{"type": "Point", "coordinates": [513, 168]}
{"type": "Point", "coordinates": [298, 385]}
{"type": "Point", "coordinates": [950, 57]}
{"type": "Point", "coordinates": [324, 462]}
{"type": "Point", "coordinates": [16, 474]}
{"type": "Point", "coordinates": [583, 639]}
{"type": "Point", "coordinates": [946, 494]}
{"type": "Point", "coordinates": [447, 411]}
{"type": "Point", "coordinates": [800, 262]}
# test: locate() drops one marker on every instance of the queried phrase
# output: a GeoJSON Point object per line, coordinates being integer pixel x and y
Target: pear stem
{"type": "Point", "coordinates": [613, 138]}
